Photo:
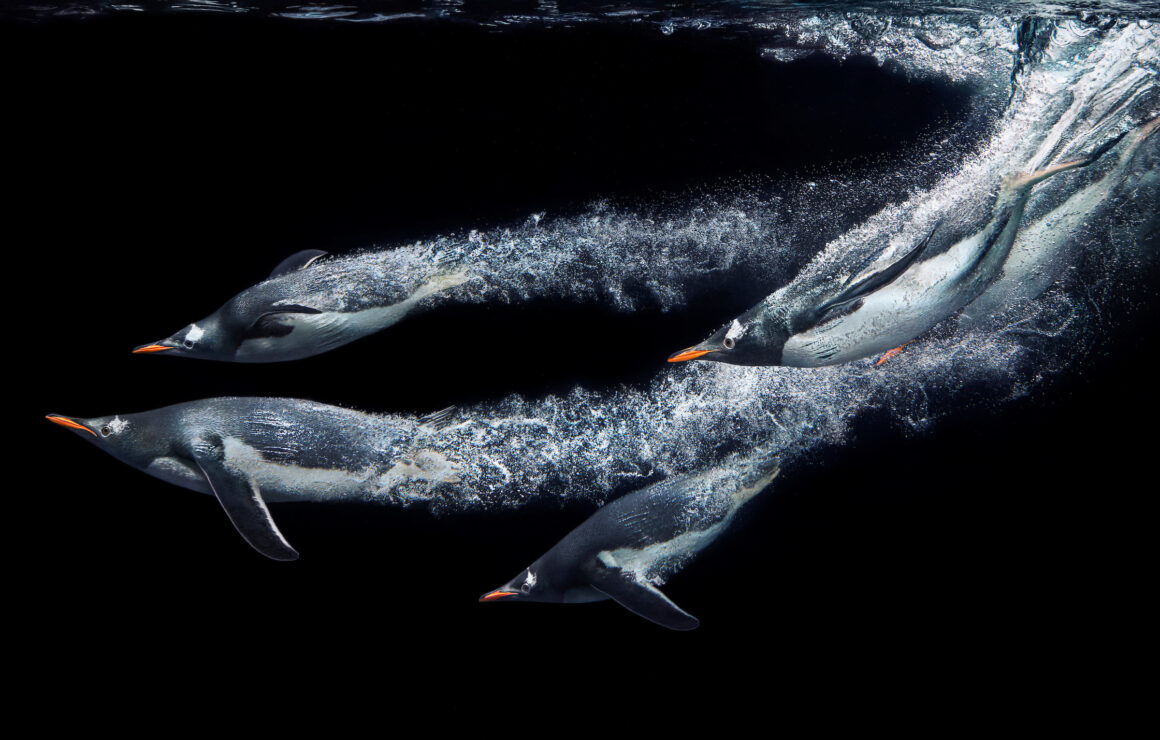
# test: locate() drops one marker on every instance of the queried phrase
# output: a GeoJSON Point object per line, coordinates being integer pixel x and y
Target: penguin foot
{"type": "Point", "coordinates": [891, 354]}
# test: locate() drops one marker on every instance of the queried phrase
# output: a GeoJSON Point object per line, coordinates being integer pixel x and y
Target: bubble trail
{"type": "Point", "coordinates": [661, 257]}
{"type": "Point", "coordinates": [1089, 84]}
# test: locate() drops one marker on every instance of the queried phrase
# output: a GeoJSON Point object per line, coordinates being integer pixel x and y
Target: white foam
{"type": "Point", "coordinates": [591, 444]}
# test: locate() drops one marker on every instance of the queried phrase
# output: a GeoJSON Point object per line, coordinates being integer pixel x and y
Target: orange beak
{"type": "Point", "coordinates": [499, 593]}
{"type": "Point", "coordinates": [64, 421]}
{"type": "Point", "coordinates": [147, 348]}
{"type": "Point", "coordinates": [691, 353]}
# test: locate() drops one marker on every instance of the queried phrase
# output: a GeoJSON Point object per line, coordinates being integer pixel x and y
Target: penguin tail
{"type": "Point", "coordinates": [442, 280]}
{"type": "Point", "coordinates": [449, 278]}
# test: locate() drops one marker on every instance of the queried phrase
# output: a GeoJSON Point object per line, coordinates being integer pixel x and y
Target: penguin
{"type": "Point", "coordinates": [632, 545]}
{"type": "Point", "coordinates": [1045, 248]}
{"type": "Point", "coordinates": [308, 305]}
{"type": "Point", "coordinates": [885, 308]}
{"type": "Point", "coordinates": [248, 452]}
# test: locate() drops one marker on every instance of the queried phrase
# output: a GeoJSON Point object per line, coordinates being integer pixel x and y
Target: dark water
{"type": "Point", "coordinates": [165, 159]}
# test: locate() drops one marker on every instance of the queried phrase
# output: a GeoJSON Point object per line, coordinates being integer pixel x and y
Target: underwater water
{"type": "Point", "coordinates": [619, 181]}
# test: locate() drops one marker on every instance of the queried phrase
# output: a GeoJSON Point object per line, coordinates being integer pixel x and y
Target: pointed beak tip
{"type": "Point", "coordinates": [688, 354]}
{"type": "Point", "coordinates": [68, 423]}
{"type": "Point", "coordinates": [145, 349]}
{"type": "Point", "coordinates": [499, 593]}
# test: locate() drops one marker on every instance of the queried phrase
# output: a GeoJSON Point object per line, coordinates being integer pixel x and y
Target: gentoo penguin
{"type": "Point", "coordinates": [250, 451]}
{"type": "Point", "coordinates": [632, 545]}
{"type": "Point", "coordinates": [1046, 248]}
{"type": "Point", "coordinates": [884, 309]}
{"type": "Point", "coordinates": [306, 306]}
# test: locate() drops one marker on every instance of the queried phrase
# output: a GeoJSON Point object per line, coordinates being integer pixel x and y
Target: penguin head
{"type": "Point", "coordinates": [208, 339]}
{"type": "Point", "coordinates": [259, 317]}
{"type": "Point", "coordinates": [749, 339]}
{"type": "Point", "coordinates": [527, 586]}
{"type": "Point", "coordinates": [131, 438]}
{"type": "Point", "coordinates": [253, 326]}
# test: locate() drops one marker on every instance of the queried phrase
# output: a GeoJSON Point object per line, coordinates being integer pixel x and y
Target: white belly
{"type": "Point", "coordinates": [313, 334]}
{"type": "Point", "coordinates": [279, 481]}
{"type": "Point", "coordinates": [921, 297]}
{"type": "Point", "coordinates": [288, 482]}
{"type": "Point", "coordinates": [656, 562]}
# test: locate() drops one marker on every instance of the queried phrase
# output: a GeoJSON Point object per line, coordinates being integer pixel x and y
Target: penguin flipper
{"type": "Point", "coordinates": [875, 280]}
{"type": "Point", "coordinates": [278, 323]}
{"type": "Point", "coordinates": [296, 261]}
{"type": "Point", "coordinates": [244, 506]}
{"type": "Point", "coordinates": [640, 598]}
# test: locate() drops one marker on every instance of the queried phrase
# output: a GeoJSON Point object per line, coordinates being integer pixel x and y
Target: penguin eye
{"type": "Point", "coordinates": [106, 430]}
{"type": "Point", "coordinates": [526, 587]}
{"type": "Point", "coordinates": [729, 342]}
{"type": "Point", "coordinates": [188, 344]}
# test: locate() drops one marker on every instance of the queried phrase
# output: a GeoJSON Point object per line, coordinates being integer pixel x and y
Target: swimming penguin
{"type": "Point", "coordinates": [251, 451]}
{"type": "Point", "coordinates": [884, 309]}
{"type": "Point", "coordinates": [632, 545]}
{"type": "Point", "coordinates": [308, 305]}
{"type": "Point", "coordinates": [1045, 248]}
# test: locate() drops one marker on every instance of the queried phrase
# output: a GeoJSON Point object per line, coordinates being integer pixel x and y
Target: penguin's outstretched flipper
{"type": "Point", "coordinates": [296, 261]}
{"type": "Point", "coordinates": [868, 284]}
{"type": "Point", "coordinates": [640, 597]}
{"type": "Point", "coordinates": [244, 505]}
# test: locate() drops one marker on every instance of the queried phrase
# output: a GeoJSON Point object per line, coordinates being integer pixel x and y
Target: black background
{"type": "Point", "coordinates": [158, 165]}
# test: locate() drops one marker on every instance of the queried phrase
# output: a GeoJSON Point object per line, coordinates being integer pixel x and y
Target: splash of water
{"type": "Point", "coordinates": [1089, 84]}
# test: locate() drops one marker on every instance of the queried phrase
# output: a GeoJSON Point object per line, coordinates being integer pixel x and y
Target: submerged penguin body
{"type": "Point", "coordinates": [308, 306]}
{"type": "Point", "coordinates": [1046, 248]}
{"type": "Point", "coordinates": [919, 299]}
{"type": "Point", "coordinates": [886, 307]}
{"type": "Point", "coordinates": [632, 545]}
{"type": "Point", "coordinates": [250, 451]}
